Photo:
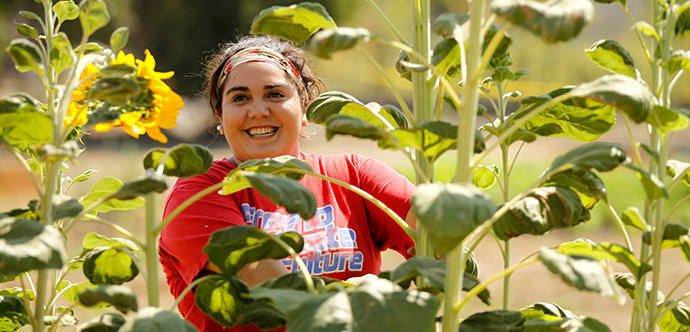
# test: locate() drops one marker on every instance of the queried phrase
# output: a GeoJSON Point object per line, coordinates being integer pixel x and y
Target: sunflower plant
{"type": "Point", "coordinates": [87, 87]}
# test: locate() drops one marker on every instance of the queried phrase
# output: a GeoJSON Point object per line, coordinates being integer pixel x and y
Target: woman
{"type": "Point", "coordinates": [258, 89]}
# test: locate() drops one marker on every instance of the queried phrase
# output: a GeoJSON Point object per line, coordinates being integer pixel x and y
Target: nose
{"type": "Point", "coordinates": [258, 110]}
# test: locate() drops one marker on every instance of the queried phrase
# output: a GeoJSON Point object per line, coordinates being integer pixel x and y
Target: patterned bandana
{"type": "Point", "coordinates": [260, 54]}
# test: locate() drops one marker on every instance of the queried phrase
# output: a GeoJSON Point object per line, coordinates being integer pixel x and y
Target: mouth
{"type": "Point", "coordinates": [265, 131]}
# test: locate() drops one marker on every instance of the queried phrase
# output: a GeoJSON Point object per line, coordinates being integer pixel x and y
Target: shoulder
{"type": "Point", "coordinates": [219, 169]}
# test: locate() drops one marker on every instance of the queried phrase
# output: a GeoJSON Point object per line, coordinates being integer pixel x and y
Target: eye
{"type": "Point", "coordinates": [275, 94]}
{"type": "Point", "coordinates": [238, 98]}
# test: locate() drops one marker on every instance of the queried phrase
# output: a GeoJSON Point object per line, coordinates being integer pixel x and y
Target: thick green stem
{"type": "Point", "coordinates": [505, 155]}
{"type": "Point", "coordinates": [151, 251]}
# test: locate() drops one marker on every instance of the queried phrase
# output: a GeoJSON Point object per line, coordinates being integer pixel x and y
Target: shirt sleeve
{"type": "Point", "coordinates": [186, 235]}
{"type": "Point", "coordinates": [395, 191]}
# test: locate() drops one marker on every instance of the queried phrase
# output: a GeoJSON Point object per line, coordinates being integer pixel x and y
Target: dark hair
{"type": "Point", "coordinates": [297, 56]}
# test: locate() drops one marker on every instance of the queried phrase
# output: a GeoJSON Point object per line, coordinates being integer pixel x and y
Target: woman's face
{"type": "Point", "coordinates": [262, 114]}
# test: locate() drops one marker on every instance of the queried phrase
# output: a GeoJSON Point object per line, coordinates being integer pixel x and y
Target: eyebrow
{"type": "Point", "coordinates": [245, 89]}
{"type": "Point", "coordinates": [237, 88]}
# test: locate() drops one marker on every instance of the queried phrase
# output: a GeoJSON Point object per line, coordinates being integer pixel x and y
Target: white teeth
{"type": "Point", "coordinates": [262, 131]}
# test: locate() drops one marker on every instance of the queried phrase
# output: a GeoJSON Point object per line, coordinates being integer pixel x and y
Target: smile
{"type": "Point", "coordinates": [261, 131]}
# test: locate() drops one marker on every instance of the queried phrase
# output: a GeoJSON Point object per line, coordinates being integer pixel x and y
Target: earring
{"type": "Point", "coordinates": [220, 129]}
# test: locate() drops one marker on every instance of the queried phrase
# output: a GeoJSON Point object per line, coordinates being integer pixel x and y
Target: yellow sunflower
{"type": "Point", "coordinates": [157, 106]}
{"type": "Point", "coordinates": [77, 111]}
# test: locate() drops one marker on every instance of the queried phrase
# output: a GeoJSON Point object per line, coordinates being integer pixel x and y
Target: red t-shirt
{"type": "Point", "coordinates": [344, 239]}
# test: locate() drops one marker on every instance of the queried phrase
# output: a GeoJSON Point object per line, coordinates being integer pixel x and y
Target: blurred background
{"type": "Point", "coordinates": [181, 35]}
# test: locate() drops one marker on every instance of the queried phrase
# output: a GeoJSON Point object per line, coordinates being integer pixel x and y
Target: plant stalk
{"type": "Point", "coordinates": [151, 251]}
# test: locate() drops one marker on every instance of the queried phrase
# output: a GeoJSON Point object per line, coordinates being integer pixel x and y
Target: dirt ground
{"type": "Point", "coordinates": [532, 284]}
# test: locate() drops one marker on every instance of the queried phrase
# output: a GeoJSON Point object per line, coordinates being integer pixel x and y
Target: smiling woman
{"type": "Point", "coordinates": [258, 89]}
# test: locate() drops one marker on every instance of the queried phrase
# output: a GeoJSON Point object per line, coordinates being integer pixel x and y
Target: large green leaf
{"type": "Point", "coordinates": [576, 118]}
{"type": "Point", "coordinates": [432, 273]}
{"type": "Point", "coordinates": [93, 15]}
{"type": "Point", "coordinates": [71, 292]}
{"type": "Point", "coordinates": [106, 187]}
{"type": "Point", "coordinates": [582, 273]}
{"type": "Point", "coordinates": [110, 265]}
{"type": "Point", "coordinates": [376, 305]}
{"type": "Point", "coordinates": [446, 58]}
{"type": "Point", "coordinates": [602, 156]}
{"type": "Point", "coordinates": [326, 42]}
{"type": "Point", "coordinates": [666, 120]}
{"type": "Point", "coordinates": [66, 207]}
{"type": "Point", "coordinates": [296, 23]}
{"type": "Point", "coordinates": [450, 212]}
{"type": "Point", "coordinates": [122, 298]}
{"type": "Point", "coordinates": [183, 160]}
{"type": "Point", "coordinates": [343, 124]}
{"type": "Point", "coordinates": [586, 183]}
{"type": "Point", "coordinates": [108, 322]}
{"type": "Point", "coordinates": [93, 240]}
{"type": "Point", "coordinates": [676, 320]}
{"type": "Point", "coordinates": [285, 192]}
{"type": "Point", "coordinates": [336, 102]}
{"type": "Point", "coordinates": [289, 166]}
{"type": "Point", "coordinates": [26, 56]}
{"type": "Point", "coordinates": [22, 124]}
{"type": "Point", "coordinates": [612, 56]}
{"type": "Point", "coordinates": [152, 319]}
{"type": "Point", "coordinates": [27, 245]}
{"type": "Point", "coordinates": [234, 247]}
{"type": "Point", "coordinates": [223, 299]}
{"type": "Point", "coordinates": [433, 138]}
{"type": "Point", "coordinates": [622, 92]}
{"type": "Point", "coordinates": [541, 210]}
{"type": "Point", "coordinates": [605, 250]}
{"type": "Point", "coordinates": [141, 187]}
{"type": "Point", "coordinates": [12, 313]}
{"type": "Point", "coordinates": [552, 21]}
{"type": "Point", "coordinates": [493, 321]}
{"type": "Point", "coordinates": [114, 90]}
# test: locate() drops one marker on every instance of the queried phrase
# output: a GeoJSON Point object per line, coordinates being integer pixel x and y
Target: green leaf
{"type": "Point", "coordinates": [295, 23]}
{"type": "Point", "coordinates": [335, 102]}
{"type": "Point", "coordinates": [223, 298]}
{"type": "Point", "coordinates": [677, 170]}
{"type": "Point", "coordinates": [26, 30]}
{"type": "Point", "coordinates": [450, 212]}
{"type": "Point", "coordinates": [66, 207]}
{"type": "Point", "coordinates": [108, 322]}
{"type": "Point", "coordinates": [402, 65]}
{"type": "Point", "coordinates": [110, 265]}
{"type": "Point", "coordinates": [680, 60]}
{"type": "Point", "coordinates": [18, 292]}
{"type": "Point", "coordinates": [678, 319]}
{"type": "Point", "coordinates": [62, 56]}
{"type": "Point", "coordinates": [539, 211]}
{"type": "Point", "coordinates": [122, 298]}
{"type": "Point", "coordinates": [576, 118]}
{"type": "Point", "coordinates": [119, 38]}
{"type": "Point", "coordinates": [432, 273]}
{"type": "Point", "coordinates": [289, 166]}
{"type": "Point", "coordinates": [284, 300]}
{"type": "Point", "coordinates": [445, 24]}
{"type": "Point", "coordinates": [605, 250]}
{"type": "Point", "coordinates": [12, 313]}
{"type": "Point", "coordinates": [343, 124]}
{"type": "Point", "coordinates": [666, 120]}
{"type": "Point", "coordinates": [519, 135]}
{"type": "Point", "coordinates": [684, 244]}
{"type": "Point", "coordinates": [552, 21]}
{"type": "Point", "coordinates": [234, 247]}
{"type": "Point", "coordinates": [484, 177]}
{"type": "Point", "coordinates": [612, 56]}
{"type": "Point", "coordinates": [376, 305]}
{"type": "Point", "coordinates": [647, 29]}
{"type": "Point", "coordinates": [682, 20]}
{"type": "Point", "coordinates": [534, 311]}
{"type": "Point", "coordinates": [602, 156]}
{"type": "Point", "coordinates": [87, 174]}
{"type": "Point", "coordinates": [446, 58]}
{"type": "Point", "coordinates": [653, 186]}
{"type": "Point", "coordinates": [493, 321]}
{"type": "Point", "coordinates": [141, 187]}
{"type": "Point", "coordinates": [622, 92]}
{"type": "Point", "coordinates": [93, 15]}
{"type": "Point", "coordinates": [433, 138]}
{"type": "Point", "coordinates": [30, 15]}
{"type": "Point", "coordinates": [283, 191]}
{"type": "Point", "coordinates": [71, 292]}
{"type": "Point", "coordinates": [51, 153]}
{"type": "Point", "coordinates": [66, 10]}
{"type": "Point", "coordinates": [326, 42]}
{"type": "Point", "coordinates": [633, 218]}
{"type": "Point", "coordinates": [183, 160]}
{"type": "Point", "coordinates": [93, 240]}
{"type": "Point", "coordinates": [105, 187]}
{"type": "Point", "coordinates": [584, 182]}
{"type": "Point", "coordinates": [582, 273]}
{"type": "Point", "coordinates": [671, 237]}
{"type": "Point", "coordinates": [115, 90]}
{"type": "Point", "coordinates": [27, 245]}
{"type": "Point", "coordinates": [152, 319]}
{"type": "Point", "coordinates": [89, 48]}
{"type": "Point", "coordinates": [26, 56]}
